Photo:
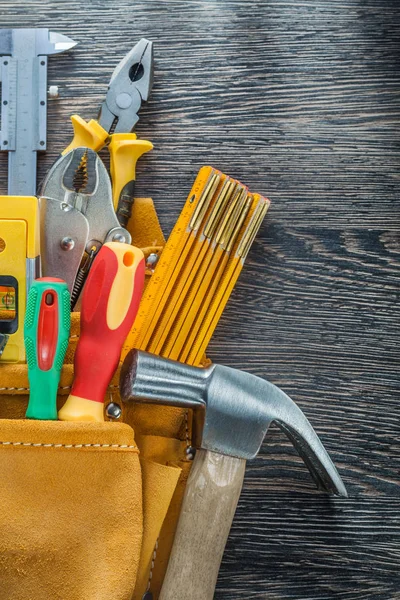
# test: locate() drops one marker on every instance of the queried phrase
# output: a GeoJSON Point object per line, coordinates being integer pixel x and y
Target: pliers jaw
{"type": "Point", "coordinates": [130, 85]}
{"type": "Point", "coordinates": [75, 174]}
{"type": "Point", "coordinates": [81, 174]}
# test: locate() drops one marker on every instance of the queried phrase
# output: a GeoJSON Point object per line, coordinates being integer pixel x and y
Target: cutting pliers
{"type": "Point", "coordinates": [79, 208]}
{"type": "Point", "coordinates": [130, 85]}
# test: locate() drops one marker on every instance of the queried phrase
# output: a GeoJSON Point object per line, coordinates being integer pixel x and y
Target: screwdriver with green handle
{"type": "Point", "coordinates": [47, 327]}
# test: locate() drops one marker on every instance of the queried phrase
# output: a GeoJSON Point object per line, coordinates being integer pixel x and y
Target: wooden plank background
{"type": "Point", "coordinates": [299, 100]}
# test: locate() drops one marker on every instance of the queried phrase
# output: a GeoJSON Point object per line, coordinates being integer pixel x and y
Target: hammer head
{"type": "Point", "coordinates": [234, 408]}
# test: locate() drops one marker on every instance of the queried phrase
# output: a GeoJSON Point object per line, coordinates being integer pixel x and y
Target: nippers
{"type": "Point", "coordinates": [80, 210]}
{"type": "Point", "coordinates": [130, 85]}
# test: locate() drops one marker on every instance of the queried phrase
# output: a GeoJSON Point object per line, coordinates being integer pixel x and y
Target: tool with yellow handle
{"type": "Point", "coordinates": [130, 85]}
{"type": "Point", "coordinates": [110, 301]}
{"type": "Point", "coordinates": [88, 134]}
{"type": "Point", "coordinates": [19, 266]}
{"type": "Point", "coordinates": [125, 150]}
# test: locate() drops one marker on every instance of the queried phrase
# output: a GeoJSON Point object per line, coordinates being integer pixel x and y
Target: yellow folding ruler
{"type": "Point", "coordinates": [198, 268]}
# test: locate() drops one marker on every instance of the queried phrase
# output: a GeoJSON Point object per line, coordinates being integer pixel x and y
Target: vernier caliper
{"type": "Point", "coordinates": [23, 61]}
{"type": "Point", "coordinates": [23, 75]}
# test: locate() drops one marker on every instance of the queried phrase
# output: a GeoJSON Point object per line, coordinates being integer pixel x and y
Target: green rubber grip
{"type": "Point", "coordinates": [46, 332]}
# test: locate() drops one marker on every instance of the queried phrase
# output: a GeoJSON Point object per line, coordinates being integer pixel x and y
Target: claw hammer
{"type": "Point", "coordinates": [236, 410]}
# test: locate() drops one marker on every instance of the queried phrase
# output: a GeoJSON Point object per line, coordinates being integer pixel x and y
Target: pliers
{"type": "Point", "coordinates": [77, 202]}
{"type": "Point", "coordinates": [77, 217]}
{"type": "Point", "coordinates": [130, 85]}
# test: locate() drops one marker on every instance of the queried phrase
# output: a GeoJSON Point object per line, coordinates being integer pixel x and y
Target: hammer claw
{"type": "Point", "coordinates": [237, 409]}
{"type": "Point", "coordinates": [318, 462]}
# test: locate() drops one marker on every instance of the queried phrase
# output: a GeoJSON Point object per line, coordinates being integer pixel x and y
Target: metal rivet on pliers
{"type": "Point", "coordinates": [67, 243]}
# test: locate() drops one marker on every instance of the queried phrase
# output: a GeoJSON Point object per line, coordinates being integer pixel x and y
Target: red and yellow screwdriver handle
{"type": "Point", "coordinates": [125, 150]}
{"type": "Point", "coordinates": [110, 301]}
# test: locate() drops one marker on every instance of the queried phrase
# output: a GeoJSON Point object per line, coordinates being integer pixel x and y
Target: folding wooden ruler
{"type": "Point", "coordinates": [198, 268]}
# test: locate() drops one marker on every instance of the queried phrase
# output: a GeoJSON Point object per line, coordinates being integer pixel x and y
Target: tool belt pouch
{"type": "Point", "coordinates": [70, 510]}
{"type": "Point", "coordinates": [86, 511]}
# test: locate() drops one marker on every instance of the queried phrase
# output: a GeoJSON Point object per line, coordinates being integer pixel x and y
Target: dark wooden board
{"type": "Point", "coordinates": [299, 100]}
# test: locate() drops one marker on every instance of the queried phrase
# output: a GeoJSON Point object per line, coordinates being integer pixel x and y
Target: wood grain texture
{"type": "Point", "coordinates": [211, 497]}
{"type": "Point", "coordinates": [300, 101]}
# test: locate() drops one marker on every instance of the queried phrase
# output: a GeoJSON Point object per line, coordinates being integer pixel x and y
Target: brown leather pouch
{"type": "Point", "coordinates": [75, 499]}
{"type": "Point", "coordinates": [70, 510]}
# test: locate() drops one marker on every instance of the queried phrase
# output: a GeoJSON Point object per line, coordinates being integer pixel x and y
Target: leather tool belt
{"type": "Point", "coordinates": [89, 510]}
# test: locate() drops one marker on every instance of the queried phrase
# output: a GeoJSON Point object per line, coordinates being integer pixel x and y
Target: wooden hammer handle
{"type": "Point", "coordinates": [209, 504]}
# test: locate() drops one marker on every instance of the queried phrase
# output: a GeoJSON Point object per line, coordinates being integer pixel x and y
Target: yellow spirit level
{"type": "Point", "coordinates": [19, 266]}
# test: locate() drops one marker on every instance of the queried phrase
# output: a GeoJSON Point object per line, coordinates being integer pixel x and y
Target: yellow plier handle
{"type": "Point", "coordinates": [87, 134]}
{"type": "Point", "coordinates": [125, 150]}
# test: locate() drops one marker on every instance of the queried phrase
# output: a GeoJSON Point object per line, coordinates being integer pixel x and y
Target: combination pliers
{"type": "Point", "coordinates": [80, 210]}
{"type": "Point", "coordinates": [130, 85]}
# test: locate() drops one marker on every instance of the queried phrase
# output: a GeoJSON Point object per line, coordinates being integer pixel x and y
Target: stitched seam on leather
{"type": "Point", "coordinates": [153, 560]}
{"type": "Point", "coordinates": [42, 445]}
{"type": "Point", "coordinates": [188, 441]}
{"type": "Point", "coordinates": [20, 389]}
{"type": "Point", "coordinates": [26, 389]}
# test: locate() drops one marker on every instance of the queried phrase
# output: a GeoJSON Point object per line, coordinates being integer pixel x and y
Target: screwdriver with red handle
{"type": "Point", "coordinates": [110, 301]}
